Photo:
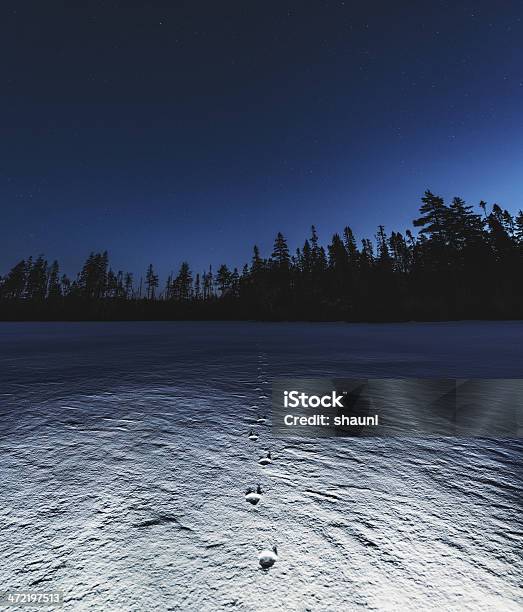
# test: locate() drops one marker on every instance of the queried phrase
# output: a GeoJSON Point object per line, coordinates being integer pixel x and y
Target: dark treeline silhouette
{"type": "Point", "coordinates": [458, 264]}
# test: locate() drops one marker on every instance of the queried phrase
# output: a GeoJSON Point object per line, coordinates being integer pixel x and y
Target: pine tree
{"type": "Point", "coordinates": [280, 255]}
{"type": "Point", "coordinates": [464, 226]}
{"type": "Point", "coordinates": [223, 279]}
{"type": "Point", "coordinates": [434, 219]}
{"type": "Point", "coordinates": [92, 280]}
{"type": "Point", "coordinates": [235, 283]}
{"type": "Point", "coordinates": [183, 283]}
{"type": "Point", "coordinates": [400, 253]}
{"type": "Point", "coordinates": [151, 282]}
{"type": "Point", "coordinates": [197, 288]}
{"type": "Point", "coordinates": [257, 262]}
{"type": "Point", "coordinates": [111, 289]}
{"type": "Point", "coordinates": [128, 286]}
{"type": "Point", "coordinates": [306, 258]}
{"type": "Point", "coordinates": [338, 259]}
{"type": "Point", "coordinates": [54, 289]}
{"type": "Point", "coordinates": [350, 246]}
{"type": "Point", "coordinates": [208, 284]}
{"type": "Point", "coordinates": [169, 287]}
{"type": "Point", "coordinates": [500, 239]}
{"type": "Point", "coordinates": [314, 245]}
{"type": "Point", "coordinates": [367, 253]}
{"type": "Point", "coordinates": [65, 282]}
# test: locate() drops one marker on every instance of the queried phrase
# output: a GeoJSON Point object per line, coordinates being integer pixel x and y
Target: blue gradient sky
{"type": "Point", "coordinates": [164, 131]}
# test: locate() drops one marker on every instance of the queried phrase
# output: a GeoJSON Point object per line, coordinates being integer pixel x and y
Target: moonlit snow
{"type": "Point", "coordinates": [125, 461]}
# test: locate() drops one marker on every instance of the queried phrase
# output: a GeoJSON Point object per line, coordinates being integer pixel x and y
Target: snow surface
{"type": "Point", "coordinates": [125, 460]}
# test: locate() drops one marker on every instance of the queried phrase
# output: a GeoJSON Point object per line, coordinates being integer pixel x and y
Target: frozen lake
{"type": "Point", "coordinates": [125, 459]}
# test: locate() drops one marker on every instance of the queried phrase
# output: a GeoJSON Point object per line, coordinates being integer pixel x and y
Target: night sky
{"type": "Point", "coordinates": [164, 131]}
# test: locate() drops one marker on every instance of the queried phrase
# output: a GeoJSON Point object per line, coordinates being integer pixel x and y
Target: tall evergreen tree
{"type": "Point", "coordinates": [54, 289]}
{"type": "Point", "coordinates": [197, 288]}
{"type": "Point", "coordinates": [183, 283]}
{"type": "Point", "coordinates": [151, 282]}
{"type": "Point", "coordinates": [433, 221]}
{"type": "Point", "coordinates": [257, 261]}
{"type": "Point", "coordinates": [208, 284]}
{"type": "Point", "coordinates": [128, 286]}
{"type": "Point", "coordinates": [223, 279]}
{"type": "Point", "coordinates": [280, 254]}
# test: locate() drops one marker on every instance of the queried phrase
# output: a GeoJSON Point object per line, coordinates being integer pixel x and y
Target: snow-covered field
{"type": "Point", "coordinates": [124, 460]}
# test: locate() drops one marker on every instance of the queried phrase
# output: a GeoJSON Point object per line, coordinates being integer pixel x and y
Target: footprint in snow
{"type": "Point", "coordinates": [265, 460]}
{"type": "Point", "coordinates": [267, 558]}
{"type": "Point", "coordinates": [253, 496]}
